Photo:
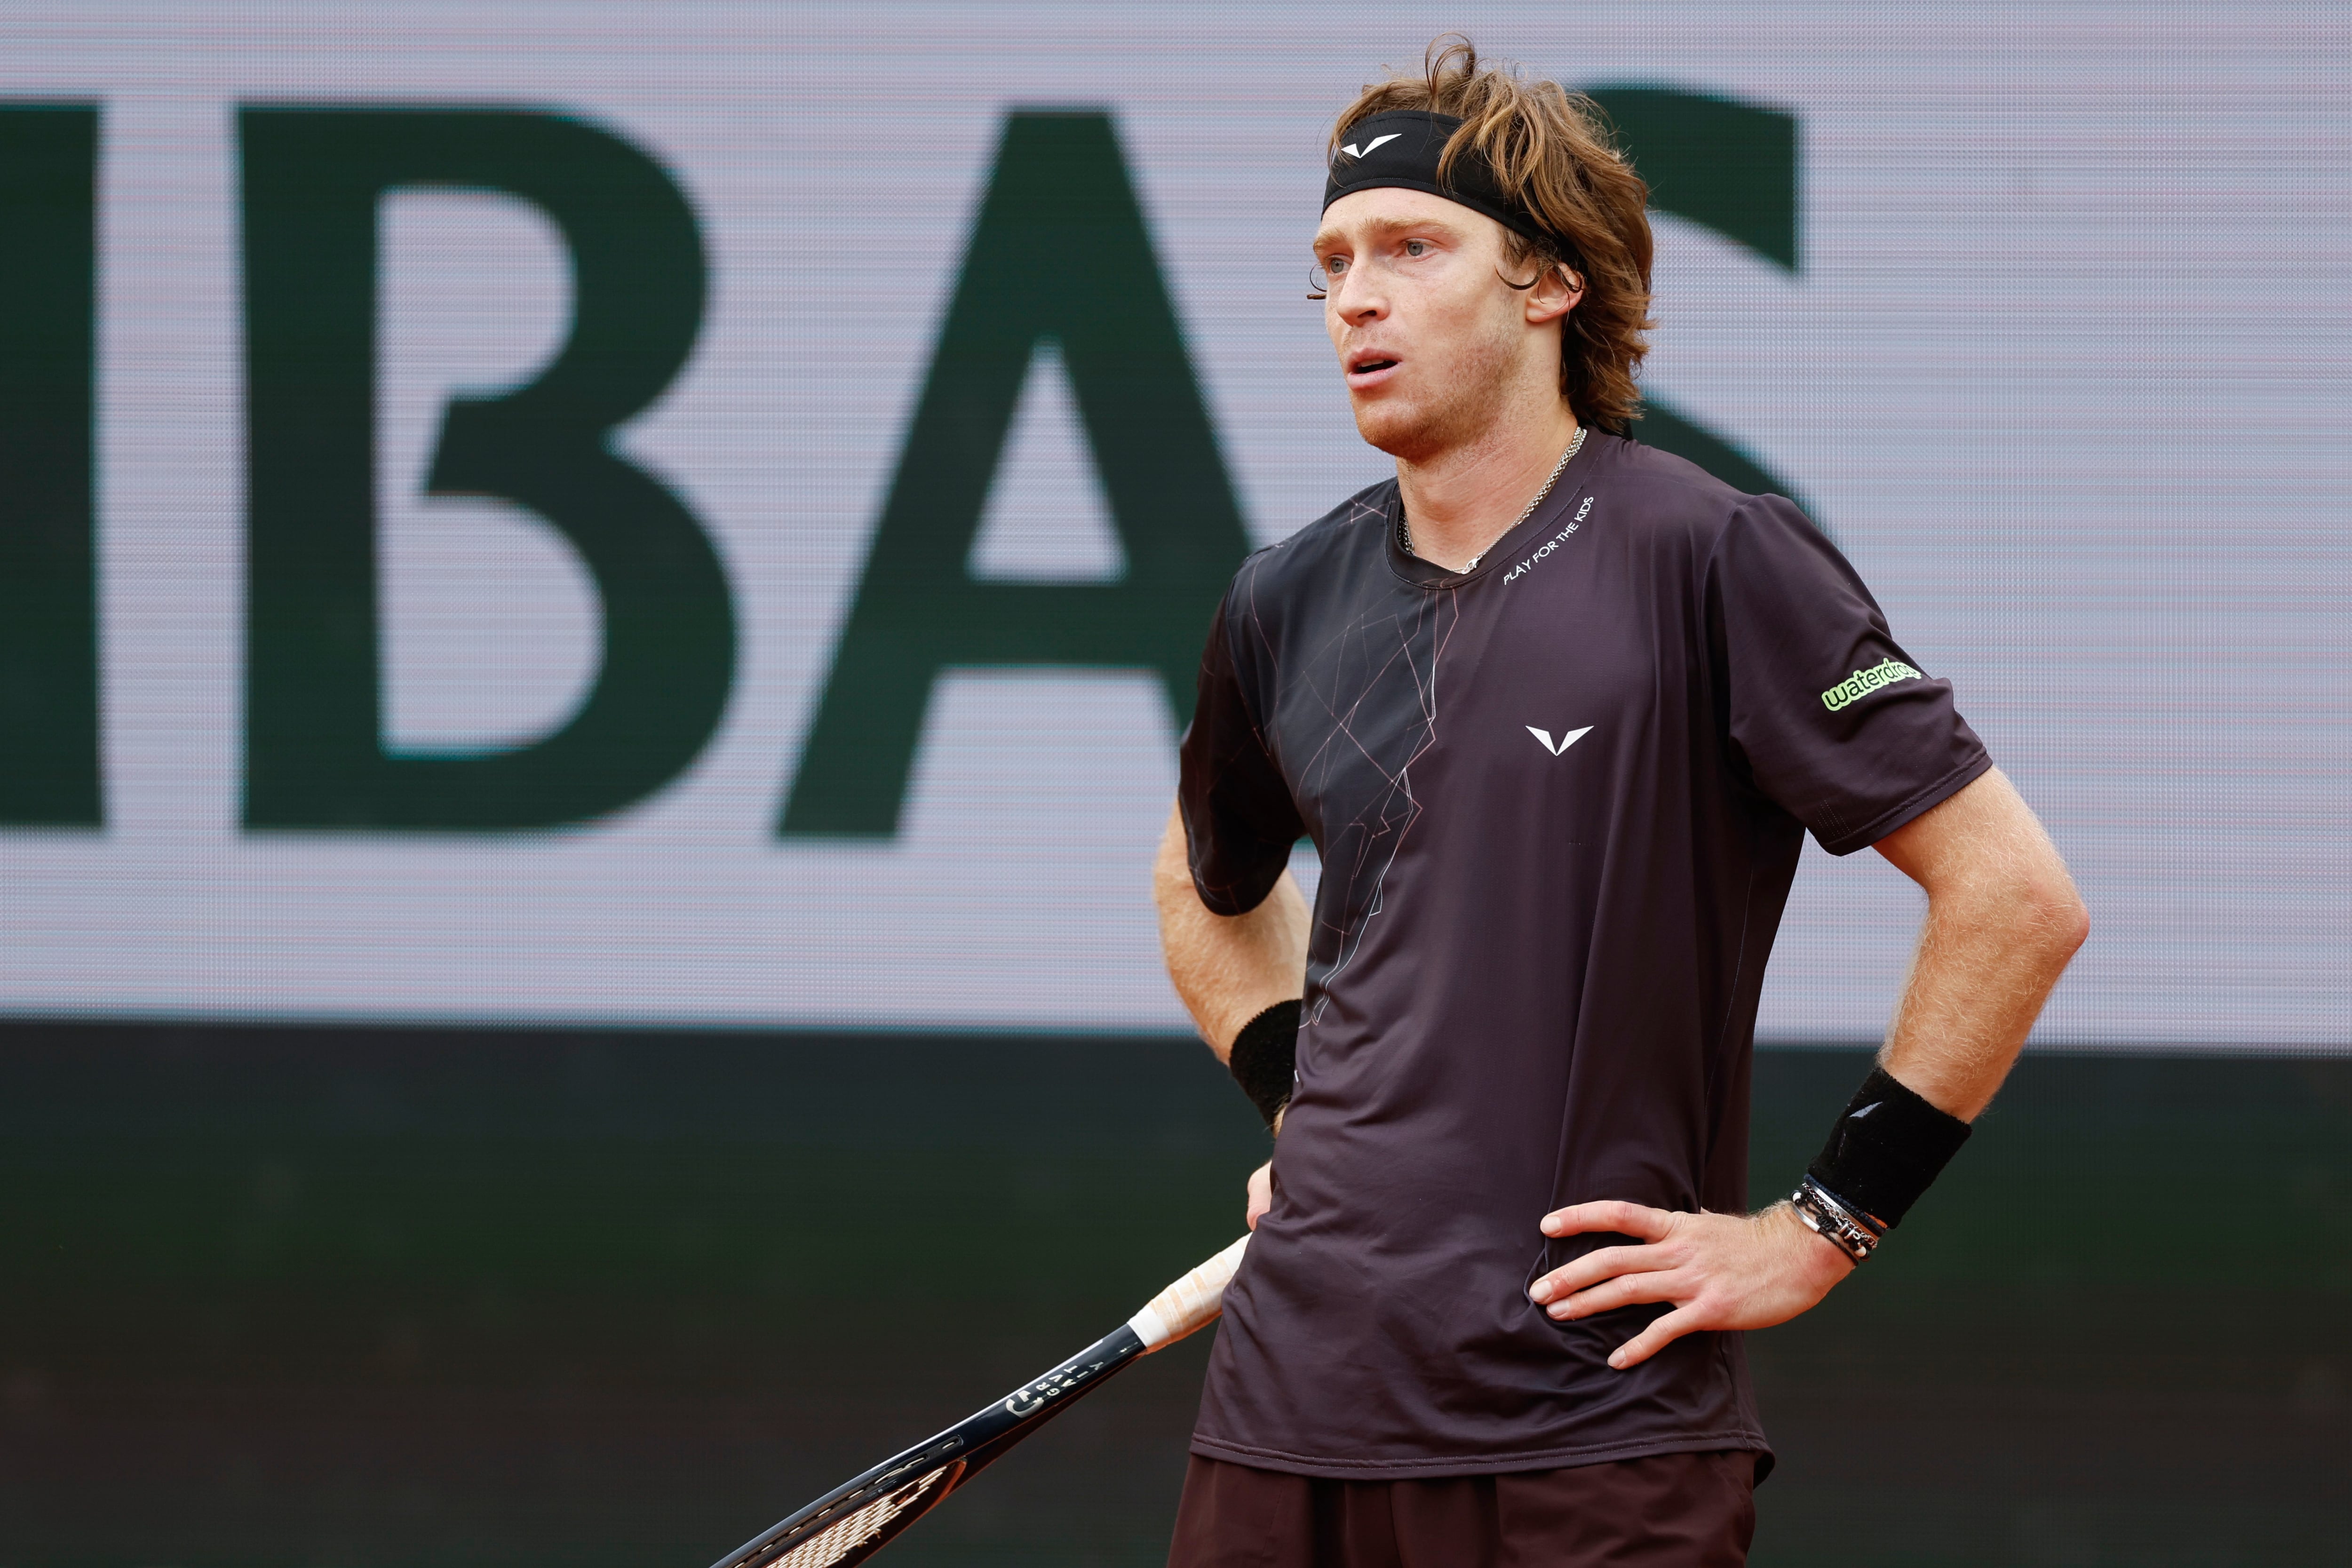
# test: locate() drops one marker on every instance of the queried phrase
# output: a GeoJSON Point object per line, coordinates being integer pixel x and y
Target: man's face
{"type": "Point", "coordinates": [1433, 342]}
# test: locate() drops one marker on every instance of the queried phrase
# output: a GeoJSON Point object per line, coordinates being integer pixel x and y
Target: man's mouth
{"type": "Point", "coordinates": [1369, 367]}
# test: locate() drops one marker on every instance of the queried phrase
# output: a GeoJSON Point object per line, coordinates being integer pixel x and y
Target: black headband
{"type": "Point", "coordinates": [1400, 149]}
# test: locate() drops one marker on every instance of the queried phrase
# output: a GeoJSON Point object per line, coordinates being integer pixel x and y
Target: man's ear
{"type": "Point", "coordinates": [1553, 295]}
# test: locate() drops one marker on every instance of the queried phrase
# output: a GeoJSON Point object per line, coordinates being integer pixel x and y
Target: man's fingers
{"type": "Point", "coordinates": [1655, 1338]}
{"type": "Point", "coordinates": [1594, 1267]}
{"type": "Point", "coordinates": [1625, 1290]}
{"type": "Point", "coordinates": [1612, 1217]}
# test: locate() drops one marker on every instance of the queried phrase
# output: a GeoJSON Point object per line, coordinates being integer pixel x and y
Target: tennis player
{"type": "Point", "coordinates": [1557, 709]}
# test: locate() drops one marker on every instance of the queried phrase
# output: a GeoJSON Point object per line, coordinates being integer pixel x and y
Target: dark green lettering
{"type": "Point", "coordinates": [1727, 166]}
{"type": "Point", "coordinates": [48, 590]}
{"type": "Point", "coordinates": [314, 753]}
{"type": "Point", "coordinates": [1060, 249]}
{"type": "Point", "coordinates": [1669, 431]}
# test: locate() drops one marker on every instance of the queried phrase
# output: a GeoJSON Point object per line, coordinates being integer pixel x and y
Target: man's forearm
{"type": "Point", "coordinates": [2003, 919]}
{"type": "Point", "coordinates": [1227, 968]}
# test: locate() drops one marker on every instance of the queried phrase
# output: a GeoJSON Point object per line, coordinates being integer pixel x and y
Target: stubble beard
{"type": "Point", "coordinates": [1459, 413]}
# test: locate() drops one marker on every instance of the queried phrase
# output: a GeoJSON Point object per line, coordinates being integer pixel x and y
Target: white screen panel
{"type": "Point", "coordinates": [2063, 364]}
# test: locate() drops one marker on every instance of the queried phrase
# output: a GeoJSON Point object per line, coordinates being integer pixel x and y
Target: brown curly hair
{"type": "Point", "coordinates": [1553, 153]}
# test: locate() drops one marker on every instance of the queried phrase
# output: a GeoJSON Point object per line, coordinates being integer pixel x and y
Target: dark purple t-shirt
{"type": "Point", "coordinates": [1560, 801]}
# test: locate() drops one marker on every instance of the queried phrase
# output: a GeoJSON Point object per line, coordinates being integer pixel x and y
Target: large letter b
{"type": "Point", "coordinates": [314, 750]}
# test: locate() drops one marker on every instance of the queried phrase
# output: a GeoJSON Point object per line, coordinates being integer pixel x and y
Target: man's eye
{"type": "Point", "coordinates": [1334, 265]}
{"type": "Point", "coordinates": [1417, 248]}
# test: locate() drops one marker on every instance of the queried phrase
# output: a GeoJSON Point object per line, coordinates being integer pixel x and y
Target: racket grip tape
{"type": "Point", "coordinates": [1191, 1303]}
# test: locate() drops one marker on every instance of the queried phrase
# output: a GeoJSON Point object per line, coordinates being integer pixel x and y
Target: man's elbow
{"type": "Point", "coordinates": [1176, 897]}
{"type": "Point", "coordinates": [2076, 928]}
{"type": "Point", "coordinates": [1171, 879]}
{"type": "Point", "coordinates": [2052, 909]}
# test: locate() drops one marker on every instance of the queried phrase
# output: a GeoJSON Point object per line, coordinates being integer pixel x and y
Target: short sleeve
{"type": "Point", "coordinates": [1239, 817]}
{"type": "Point", "coordinates": [1833, 720]}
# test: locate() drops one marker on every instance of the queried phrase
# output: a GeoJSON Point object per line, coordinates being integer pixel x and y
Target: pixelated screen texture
{"type": "Point", "coordinates": [2062, 364]}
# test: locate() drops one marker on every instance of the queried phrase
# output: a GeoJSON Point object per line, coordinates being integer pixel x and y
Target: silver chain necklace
{"type": "Point", "coordinates": [1575, 445]}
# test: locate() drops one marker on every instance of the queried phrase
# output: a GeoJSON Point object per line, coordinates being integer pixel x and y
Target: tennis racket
{"type": "Point", "coordinates": [862, 1515]}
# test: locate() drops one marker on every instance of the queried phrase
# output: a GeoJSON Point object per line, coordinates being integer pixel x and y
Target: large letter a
{"type": "Point", "coordinates": [1060, 250]}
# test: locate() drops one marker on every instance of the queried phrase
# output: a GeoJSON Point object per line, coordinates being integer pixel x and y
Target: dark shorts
{"type": "Point", "coordinates": [1669, 1511]}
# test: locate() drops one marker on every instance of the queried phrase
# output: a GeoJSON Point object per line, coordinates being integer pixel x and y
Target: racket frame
{"type": "Point", "coordinates": [972, 1444]}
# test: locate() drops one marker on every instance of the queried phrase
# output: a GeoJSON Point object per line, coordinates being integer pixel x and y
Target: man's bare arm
{"type": "Point", "coordinates": [2003, 919]}
{"type": "Point", "coordinates": [1227, 968]}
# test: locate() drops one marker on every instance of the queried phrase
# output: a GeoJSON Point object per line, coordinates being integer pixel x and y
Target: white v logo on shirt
{"type": "Point", "coordinates": [1571, 737]}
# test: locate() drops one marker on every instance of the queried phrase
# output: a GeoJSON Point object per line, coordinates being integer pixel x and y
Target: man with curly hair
{"type": "Point", "coordinates": [1557, 709]}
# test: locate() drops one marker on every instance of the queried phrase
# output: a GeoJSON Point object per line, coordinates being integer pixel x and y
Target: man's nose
{"type": "Point", "coordinates": [1353, 298]}
{"type": "Point", "coordinates": [1360, 301]}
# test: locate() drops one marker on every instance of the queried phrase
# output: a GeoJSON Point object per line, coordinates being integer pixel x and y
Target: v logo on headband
{"type": "Point", "coordinates": [1415, 166]}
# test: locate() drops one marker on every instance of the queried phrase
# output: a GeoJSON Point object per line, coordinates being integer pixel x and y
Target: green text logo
{"type": "Point", "coordinates": [1863, 682]}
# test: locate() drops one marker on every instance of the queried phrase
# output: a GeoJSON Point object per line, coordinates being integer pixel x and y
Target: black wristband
{"type": "Point", "coordinates": [1887, 1149]}
{"type": "Point", "coordinates": [1264, 1058]}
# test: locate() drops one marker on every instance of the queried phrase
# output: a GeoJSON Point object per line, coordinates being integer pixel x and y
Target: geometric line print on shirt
{"type": "Point", "coordinates": [1374, 682]}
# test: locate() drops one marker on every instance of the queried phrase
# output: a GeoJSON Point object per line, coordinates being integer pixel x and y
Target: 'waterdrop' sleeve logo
{"type": "Point", "coordinates": [1863, 682]}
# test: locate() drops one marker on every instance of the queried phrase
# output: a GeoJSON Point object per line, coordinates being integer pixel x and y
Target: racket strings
{"type": "Point", "coordinates": [840, 1541]}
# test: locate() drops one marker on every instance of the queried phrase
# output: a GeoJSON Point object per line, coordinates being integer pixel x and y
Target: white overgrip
{"type": "Point", "coordinates": [1191, 1303]}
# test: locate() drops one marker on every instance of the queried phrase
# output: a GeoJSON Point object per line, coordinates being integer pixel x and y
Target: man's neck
{"type": "Point", "coordinates": [1461, 500]}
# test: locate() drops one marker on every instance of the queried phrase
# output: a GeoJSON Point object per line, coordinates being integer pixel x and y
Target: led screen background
{"type": "Point", "coordinates": [2057, 351]}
